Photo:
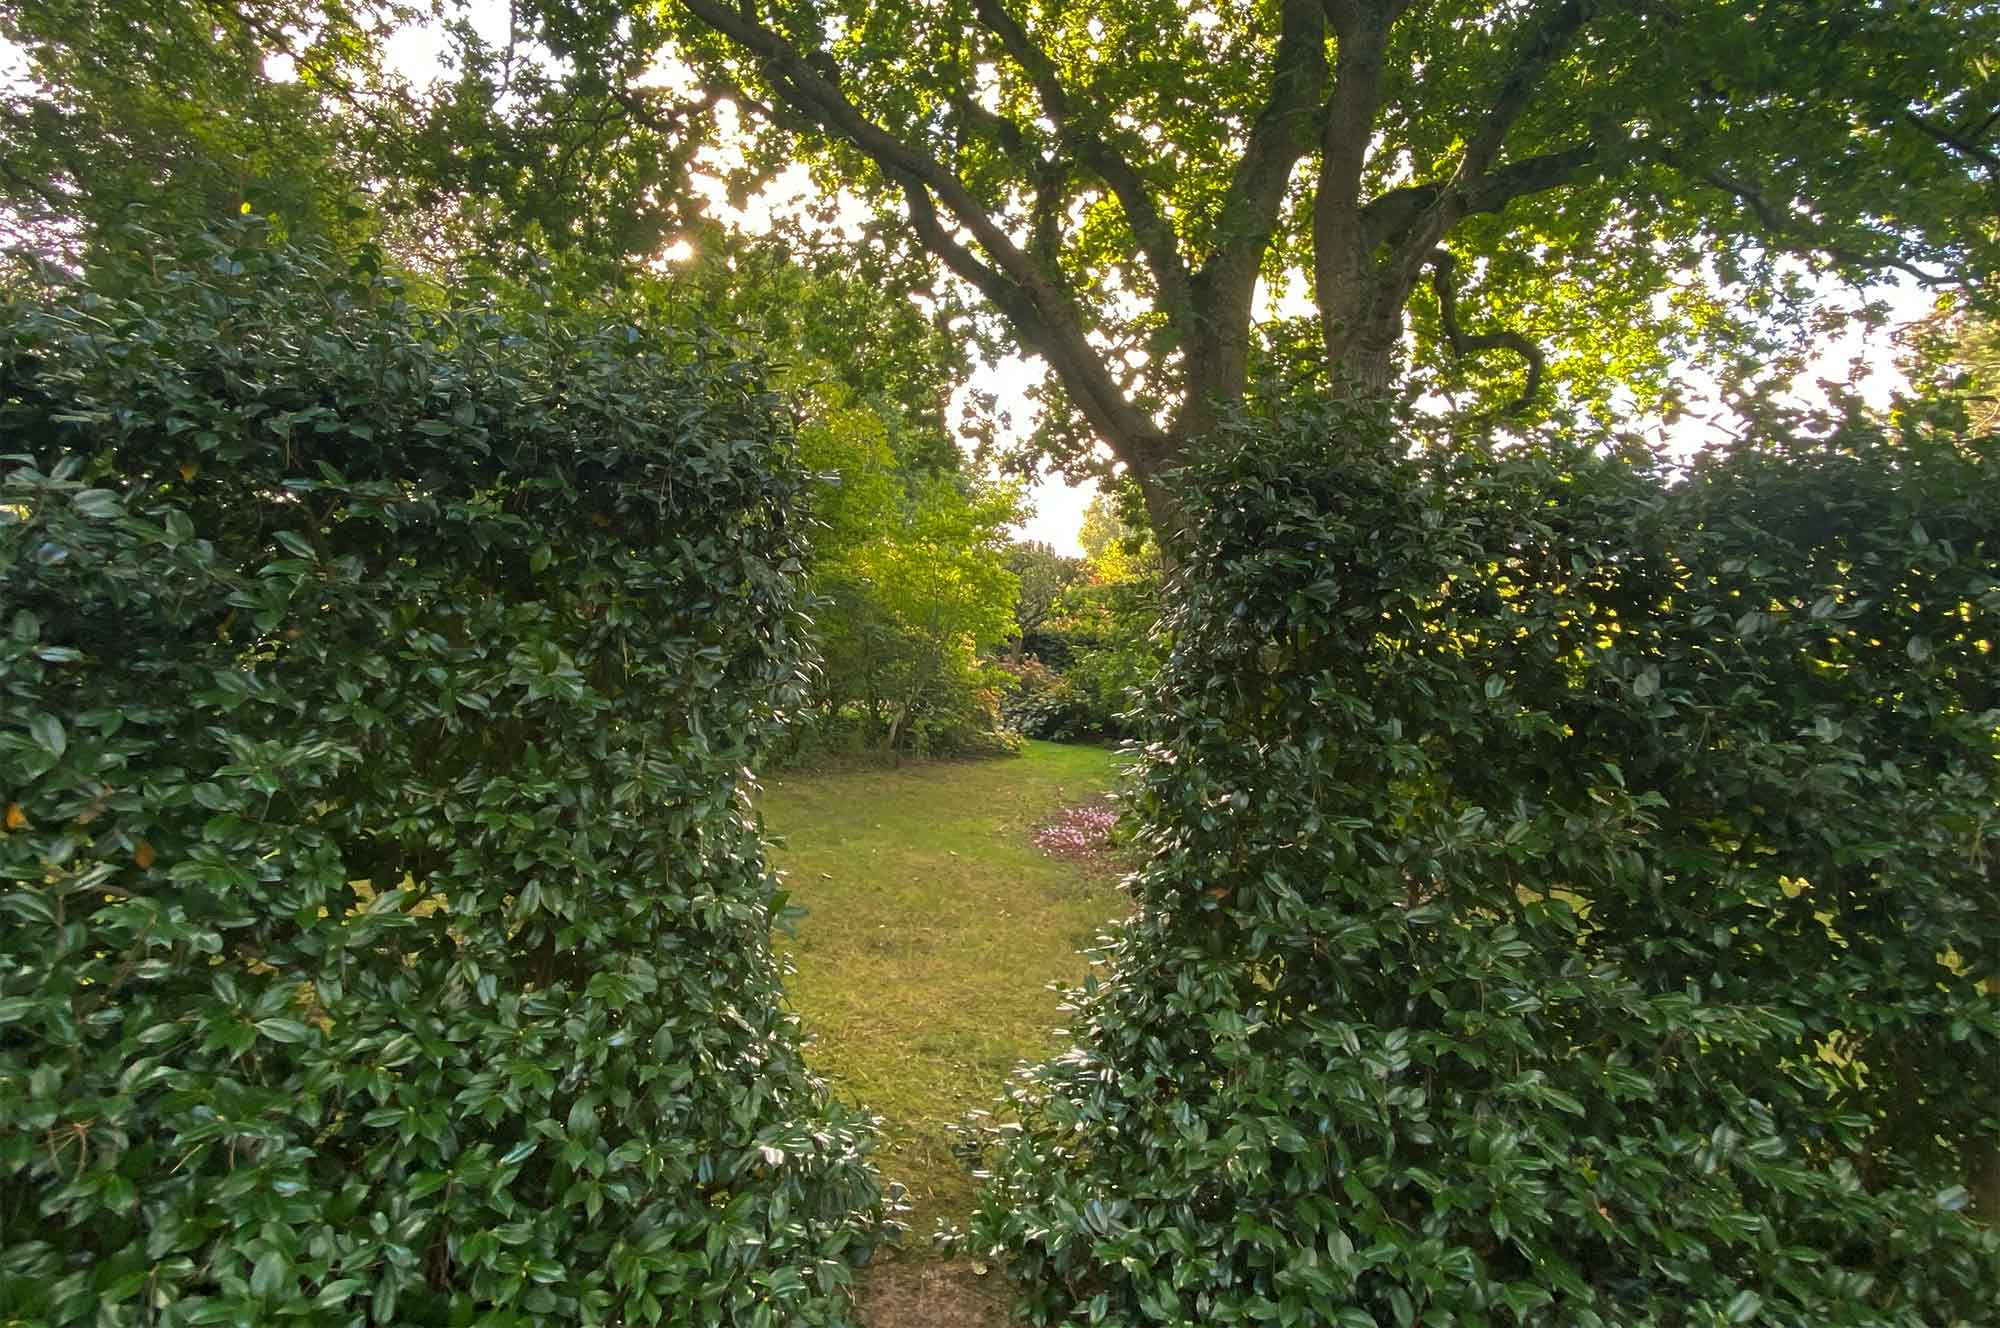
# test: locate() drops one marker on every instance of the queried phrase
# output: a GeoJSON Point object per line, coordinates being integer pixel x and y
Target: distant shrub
{"type": "Point", "coordinates": [1568, 899]}
{"type": "Point", "coordinates": [1041, 703]}
{"type": "Point", "coordinates": [881, 686]}
{"type": "Point", "coordinates": [384, 930]}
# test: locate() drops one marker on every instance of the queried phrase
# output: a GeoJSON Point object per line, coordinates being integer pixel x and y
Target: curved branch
{"type": "Point", "coordinates": [1389, 216]}
{"type": "Point", "coordinates": [1090, 385]}
{"type": "Point", "coordinates": [1028, 294]}
{"type": "Point", "coordinates": [1782, 225]}
{"type": "Point", "coordinates": [1150, 227]}
{"type": "Point", "coordinates": [1957, 141]}
{"type": "Point", "coordinates": [1444, 271]}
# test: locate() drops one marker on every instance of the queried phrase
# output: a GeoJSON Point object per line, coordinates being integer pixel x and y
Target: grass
{"type": "Point", "coordinates": [934, 927]}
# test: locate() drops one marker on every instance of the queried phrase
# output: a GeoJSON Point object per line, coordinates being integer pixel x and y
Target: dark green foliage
{"type": "Point", "coordinates": [384, 933]}
{"type": "Point", "coordinates": [1098, 696]}
{"type": "Point", "coordinates": [1567, 897]}
{"type": "Point", "coordinates": [1042, 703]}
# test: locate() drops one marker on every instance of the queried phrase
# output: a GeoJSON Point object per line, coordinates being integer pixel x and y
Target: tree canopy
{"type": "Point", "coordinates": [1605, 188]}
{"type": "Point", "coordinates": [175, 107]}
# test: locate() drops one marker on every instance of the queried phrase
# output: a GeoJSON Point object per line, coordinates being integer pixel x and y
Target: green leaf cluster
{"type": "Point", "coordinates": [175, 107]}
{"type": "Point", "coordinates": [386, 928]}
{"type": "Point", "coordinates": [907, 605]}
{"type": "Point", "coordinates": [1099, 646]}
{"type": "Point", "coordinates": [1568, 898]}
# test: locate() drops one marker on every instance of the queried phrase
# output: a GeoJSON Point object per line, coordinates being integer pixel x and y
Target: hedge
{"type": "Point", "coordinates": [1569, 899]}
{"type": "Point", "coordinates": [384, 928]}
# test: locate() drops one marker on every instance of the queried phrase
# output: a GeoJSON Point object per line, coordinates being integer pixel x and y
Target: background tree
{"type": "Point", "coordinates": [942, 578]}
{"type": "Point", "coordinates": [1955, 357]}
{"type": "Point", "coordinates": [910, 582]}
{"type": "Point", "coordinates": [175, 108]}
{"type": "Point", "coordinates": [1100, 647]}
{"type": "Point", "coordinates": [1043, 575]}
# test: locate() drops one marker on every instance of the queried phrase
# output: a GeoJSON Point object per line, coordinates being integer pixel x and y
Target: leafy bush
{"type": "Point", "coordinates": [1098, 696]}
{"type": "Point", "coordinates": [1568, 899]}
{"type": "Point", "coordinates": [1113, 680]}
{"type": "Point", "coordinates": [1041, 703]}
{"type": "Point", "coordinates": [903, 607]}
{"type": "Point", "coordinates": [386, 930]}
{"type": "Point", "coordinates": [883, 686]}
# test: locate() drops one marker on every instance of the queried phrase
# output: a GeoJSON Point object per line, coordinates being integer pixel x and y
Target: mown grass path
{"type": "Point", "coordinates": [934, 927]}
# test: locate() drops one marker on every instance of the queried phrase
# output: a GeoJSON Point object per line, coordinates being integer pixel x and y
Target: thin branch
{"type": "Point", "coordinates": [997, 129]}
{"type": "Point", "coordinates": [1034, 61]}
{"type": "Point", "coordinates": [1782, 224]}
{"type": "Point", "coordinates": [1985, 156]}
{"type": "Point", "coordinates": [1444, 271]}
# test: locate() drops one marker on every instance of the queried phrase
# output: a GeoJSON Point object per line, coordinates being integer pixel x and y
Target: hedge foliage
{"type": "Point", "coordinates": [1569, 889]}
{"type": "Point", "coordinates": [384, 932]}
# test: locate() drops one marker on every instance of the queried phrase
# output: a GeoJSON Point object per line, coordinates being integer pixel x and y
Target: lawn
{"type": "Point", "coordinates": [934, 927]}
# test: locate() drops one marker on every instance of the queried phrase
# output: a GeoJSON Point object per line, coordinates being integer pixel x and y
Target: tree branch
{"type": "Point", "coordinates": [1029, 296]}
{"type": "Point", "coordinates": [1341, 285]}
{"type": "Point", "coordinates": [1388, 216]}
{"type": "Point", "coordinates": [1279, 136]}
{"type": "Point", "coordinates": [1958, 142]}
{"type": "Point", "coordinates": [1150, 228]}
{"type": "Point", "coordinates": [1093, 388]}
{"type": "Point", "coordinates": [1546, 42]}
{"type": "Point", "coordinates": [1782, 224]}
{"type": "Point", "coordinates": [1421, 217]}
{"type": "Point", "coordinates": [1225, 287]}
{"type": "Point", "coordinates": [1444, 270]}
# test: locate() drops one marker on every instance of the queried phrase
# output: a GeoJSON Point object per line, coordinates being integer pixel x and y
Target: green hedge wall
{"type": "Point", "coordinates": [384, 930]}
{"type": "Point", "coordinates": [1570, 899]}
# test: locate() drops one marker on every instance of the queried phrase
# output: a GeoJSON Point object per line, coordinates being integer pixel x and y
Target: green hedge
{"type": "Point", "coordinates": [384, 930]}
{"type": "Point", "coordinates": [1569, 900]}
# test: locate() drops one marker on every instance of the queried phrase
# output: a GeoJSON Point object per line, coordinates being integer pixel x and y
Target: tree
{"type": "Point", "coordinates": [909, 579]}
{"type": "Point", "coordinates": [940, 576]}
{"type": "Point", "coordinates": [1043, 575]}
{"type": "Point", "coordinates": [174, 107]}
{"type": "Point", "coordinates": [1630, 182]}
{"type": "Point", "coordinates": [1956, 357]}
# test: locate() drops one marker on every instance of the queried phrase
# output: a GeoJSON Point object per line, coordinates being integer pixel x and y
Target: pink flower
{"type": "Point", "coordinates": [1080, 831]}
